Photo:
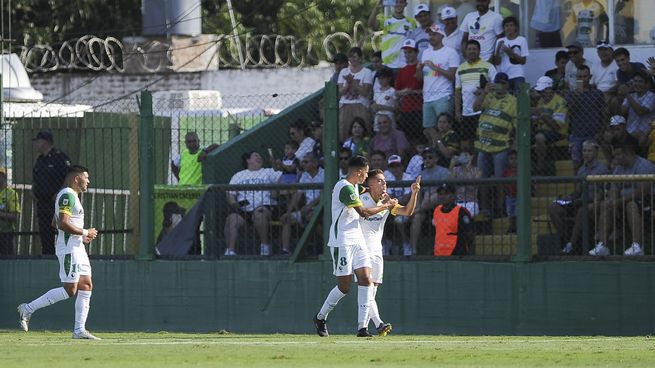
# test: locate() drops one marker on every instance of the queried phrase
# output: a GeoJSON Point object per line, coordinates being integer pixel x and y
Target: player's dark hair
{"type": "Point", "coordinates": [358, 162]}
{"type": "Point", "coordinates": [374, 172]}
{"type": "Point", "coordinates": [74, 170]}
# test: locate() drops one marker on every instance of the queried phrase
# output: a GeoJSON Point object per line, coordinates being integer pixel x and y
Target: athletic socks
{"type": "Point", "coordinates": [373, 312]}
{"type": "Point", "coordinates": [52, 296]}
{"type": "Point", "coordinates": [330, 302]}
{"type": "Point", "coordinates": [364, 296]}
{"type": "Point", "coordinates": [81, 310]}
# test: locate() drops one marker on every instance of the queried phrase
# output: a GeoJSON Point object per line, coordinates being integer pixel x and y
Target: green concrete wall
{"type": "Point", "coordinates": [427, 297]}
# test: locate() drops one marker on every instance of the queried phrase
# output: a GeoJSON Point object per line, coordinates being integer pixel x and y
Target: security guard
{"type": "Point", "coordinates": [453, 235]}
{"type": "Point", "coordinates": [47, 178]}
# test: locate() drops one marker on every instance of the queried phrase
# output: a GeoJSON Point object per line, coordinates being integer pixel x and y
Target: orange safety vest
{"type": "Point", "coordinates": [446, 226]}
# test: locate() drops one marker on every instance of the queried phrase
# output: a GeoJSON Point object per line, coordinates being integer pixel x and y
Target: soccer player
{"type": "Point", "coordinates": [348, 246]}
{"type": "Point", "coordinates": [74, 265]}
{"type": "Point", "coordinates": [373, 227]}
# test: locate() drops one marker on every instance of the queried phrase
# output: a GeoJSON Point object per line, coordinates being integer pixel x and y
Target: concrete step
{"type": "Point", "coordinates": [553, 189]}
{"type": "Point", "coordinates": [499, 245]}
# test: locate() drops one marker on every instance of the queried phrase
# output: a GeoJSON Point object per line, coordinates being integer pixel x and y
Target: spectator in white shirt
{"type": "Point", "coordinates": [355, 83]}
{"type": "Point", "coordinates": [512, 53]}
{"type": "Point", "coordinates": [603, 74]}
{"type": "Point", "coordinates": [483, 26]}
{"type": "Point", "coordinates": [454, 35]}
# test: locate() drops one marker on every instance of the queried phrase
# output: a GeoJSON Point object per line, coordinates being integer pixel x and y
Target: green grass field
{"type": "Point", "coordinates": [57, 349]}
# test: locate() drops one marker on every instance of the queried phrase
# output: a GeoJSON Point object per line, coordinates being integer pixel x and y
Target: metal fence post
{"type": "Point", "coordinates": [331, 153]}
{"type": "Point", "coordinates": [524, 177]}
{"type": "Point", "coordinates": [146, 178]}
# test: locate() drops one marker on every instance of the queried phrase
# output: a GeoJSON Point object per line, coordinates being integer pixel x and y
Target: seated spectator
{"type": "Point", "coordinates": [187, 166]}
{"type": "Point", "coordinates": [355, 84]}
{"type": "Point", "coordinates": [389, 140]}
{"type": "Point", "coordinates": [587, 108]}
{"type": "Point", "coordinates": [510, 190]}
{"type": "Point", "coordinates": [253, 206]}
{"type": "Point", "coordinates": [616, 132]}
{"type": "Point", "coordinates": [378, 161]}
{"type": "Point", "coordinates": [558, 75]}
{"type": "Point", "coordinates": [603, 74]}
{"type": "Point", "coordinates": [358, 142]}
{"type": "Point", "coordinates": [409, 91]}
{"type": "Point", "coordinates": [384, 97]}
{"type": "Point", "coordinates": [550, 123]}
{"type": "Point", "coordinates": [447, 141]}
{"type": "Point", "coordinates": [396, 172]}
{"type": "Point", "coordinates": [428, 198]}
{"type": "Point", "coordinates": [638, 106]}
{"type": "Point", "coordinates": [453, 235]}
{"type": "Point", "coordinates": [576, 61]}
{"type": "Point", "coordinates": [495, 133]}
{"type": "Point", "coordinates": [301, 133]}
{"type": "Point", "coordinates": [627, 200]}
{"type": "Point", "coordinates": [289, 163]}
{"type": "Point", "coordinates": [627, 69]}
{"type": "Point", "coordinates": [511, 53]}
{"type": "Point", "coordinates": [415, 164]}
{"type": "Point", "coordinates": [562, 209]}
{"type": "Point", "coordinates": [470, 76]}
{"type": "Point", "coordinates": [317, 134]}
{"type": "Point", "coordinates": [463, 166]}
{"type": "Point", "coordinates": [345, 154]}
{"type": "Point", "coordinates": [340, 61]}
{"type": "Point", "coordinates": [302, 203]}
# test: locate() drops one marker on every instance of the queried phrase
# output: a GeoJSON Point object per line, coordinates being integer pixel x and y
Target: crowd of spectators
{"type": "Point", "coordinates": [439, 101]}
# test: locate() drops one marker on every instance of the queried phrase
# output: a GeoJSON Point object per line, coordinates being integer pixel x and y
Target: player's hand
{"type": "Point", "coordinates": [393, 202]}
{"type": "Point", "coordinates": [416, 186]}
{"type": "Point", "coordinates": [93, 233]}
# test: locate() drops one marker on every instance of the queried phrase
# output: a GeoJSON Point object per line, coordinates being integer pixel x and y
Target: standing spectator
{"type": "Point", "coordinates": [317, 134]}
{"type": "Point", "coordinates": [463, 166]}
{"type": "Point", "coordinates": [448, 143]}
{"type": "Point", "coordinates": [359, 139]}
{"type": "Point", "coordinates": [576, 61]}
{"type": "Point", "coordinates": [396, 172]}
{"type": "Point", "coordinates": [639, 106]}
{"type": "Point", "coordinates": [389, 140]}
{"type": "Point", "coordinates": [591, 22]}
{"type": "Point", "coordinates": [384, 97]}
{"type": "Point", "coordinates": [571, 205]}
{"type": "Point", "coordinates": [409, 91]}
{"type": "Point", "coordinates": [429, 197]}
{"type": "Point", "coordinates": [626, 199]}
{"type": "Point", "coordinates": [420, 34]}
{"type": "Point", "coordinates": [375, 66]}
{"type": "Point", "coordinates": [187, 166]}
{"type": "Point", "coordinates": [302, 203]}
{"type": "Point", "coordinates": [512, 53]}
{"type": "Point", "coordinates": [9, 211]}
{"type": "Point", "coordinates": [454, 35]}
{"type": "Point", "coordinates": [603, 74]}
{"type": "Point", "coordinates": [394, 30]}
{"type": "Point", "coordinates": [558, 74]}
{"type": "Point", "coordinates": [47, 178]}
{"type": "Point", "coordinates": [510, 190]}
{"type": "Point", "coordinates": [453, 235]}
{"type": "Point", "coordinates": [627, 69]}
{"type": "Point", "coordinates": [586, 110]}
{"type": "Point", "coordinates": [340, 61]}
{"type": "Point", "coordinates": [378, 160]}
{"type": "Point", "coordinates": [495, 131]}
{"type": "Point", "coordinates": [252, 206]}
{"type": "Point", "coordinates": [345, 154]}
{"type": "Point", "coordinates": [550, 121]}
{"type": "Point", "coordinates": [472, 75]}
{"type": "Point", "coordinates": [437, 70]}
{"type": "Point", "coordinates": [301, 134]}
{"type": "Point", "coordinates": [547, 21]}
{"type": "Point", "coordinates": [484, 26]}
{"type": "Point", "coordinates": [415, 164]}
{"type": "Point", "coordinates": [355, 83]}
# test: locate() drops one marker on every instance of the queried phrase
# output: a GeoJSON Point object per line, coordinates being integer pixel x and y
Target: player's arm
{"type": "Point", "coordinates": [65, 205]}
{"type": "Point", "coordinates": [368, 212]}
{"type": "Point", "coordinates": [408, 210]}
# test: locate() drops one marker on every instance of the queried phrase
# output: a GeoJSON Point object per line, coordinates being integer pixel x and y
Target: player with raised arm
{"type": "Point", "coordinates": [373, 228]}
{"type": "Point", "coordinates": [74, 265]}
{"type": "Point", "coordinates": [348, 246]}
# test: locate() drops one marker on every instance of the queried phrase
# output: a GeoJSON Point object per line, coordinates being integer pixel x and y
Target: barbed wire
{"type": "Point", "coordinates": [92, 53]}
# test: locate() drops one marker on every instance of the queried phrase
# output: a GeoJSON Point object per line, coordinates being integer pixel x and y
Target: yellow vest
{"type": "Point", "coordinates": [190, 168]}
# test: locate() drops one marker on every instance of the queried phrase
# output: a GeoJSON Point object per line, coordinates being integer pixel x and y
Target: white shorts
{"type": "Point", "coordinates": [347, 258]}
{"type": "Point", "coordinates": [377, 270]}
{"type": "Point", "coordinates": [72, 265]}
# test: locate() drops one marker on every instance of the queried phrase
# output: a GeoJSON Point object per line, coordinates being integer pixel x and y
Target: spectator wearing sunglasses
{"type": "Point", "coordinates": [484, 26]}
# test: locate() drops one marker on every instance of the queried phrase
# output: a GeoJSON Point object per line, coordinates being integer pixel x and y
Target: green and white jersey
{"type": "Point", "coordinates": [394, 33]}
{"type": "Point", "coordinates": [69, 203]}
{"type": "Point", "coordinates": [345, 228]}
{"type": "Point", "coordinates": [373, 226]}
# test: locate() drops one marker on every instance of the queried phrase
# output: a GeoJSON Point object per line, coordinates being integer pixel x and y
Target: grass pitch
{"type": "Point", "coordinates": [57, 349]}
